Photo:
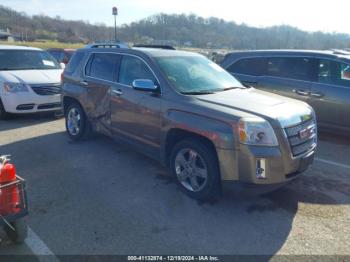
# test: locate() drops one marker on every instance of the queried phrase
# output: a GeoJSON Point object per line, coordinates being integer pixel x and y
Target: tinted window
{"type": "Point", "coordinates": [102, 66]}
{"type": "Point", "coordinates": [332, 72]}
{"type": "Point", "coordinates": [298, 68]}
{"type": "Point", "coordinates": [132, 68]}
{"type": "Point", "coordinates": [74, 62]}
{"type": "Point", "coordinates": [249, 66]}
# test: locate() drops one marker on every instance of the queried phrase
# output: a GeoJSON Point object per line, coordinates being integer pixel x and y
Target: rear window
{"type": "Point", "coordinates": [249, 66]}
{"type": "Point", "coordinates": [102, 66]}
{"type": "Point", "coordinates": [74, 62]}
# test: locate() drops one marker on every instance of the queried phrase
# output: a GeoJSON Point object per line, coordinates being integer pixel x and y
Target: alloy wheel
{"type": "Point", "coordinates": [191, 170]}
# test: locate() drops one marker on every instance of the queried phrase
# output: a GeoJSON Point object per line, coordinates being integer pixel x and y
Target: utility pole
{"type": "Point", "coordinates": [115, 13]}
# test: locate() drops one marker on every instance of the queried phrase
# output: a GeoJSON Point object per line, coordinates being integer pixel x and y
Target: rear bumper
{"type": "Point", "coordinates": [29, 102]}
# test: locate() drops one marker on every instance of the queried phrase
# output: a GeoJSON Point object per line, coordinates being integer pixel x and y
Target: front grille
{"type": "Point", "coordinates": [47, 90]}
{"type": "Point", "coordinates": [302, 138]}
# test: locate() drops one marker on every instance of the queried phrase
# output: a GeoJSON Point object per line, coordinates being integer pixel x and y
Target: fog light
{"type": "Point", "coordinates": [260, 169]}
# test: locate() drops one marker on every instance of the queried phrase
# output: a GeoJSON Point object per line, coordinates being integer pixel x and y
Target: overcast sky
{"type": "Point", "coordinates": [310, 15]}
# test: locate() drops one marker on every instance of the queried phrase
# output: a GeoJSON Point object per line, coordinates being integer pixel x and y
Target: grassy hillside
{"type": "Point", "coordinates": [173, 29]}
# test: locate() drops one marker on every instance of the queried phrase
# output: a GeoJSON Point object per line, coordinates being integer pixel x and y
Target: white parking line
{"type": "Point", "coordinates": [332, 163]}
{"type": "Point", "coordinates": [38, 247]}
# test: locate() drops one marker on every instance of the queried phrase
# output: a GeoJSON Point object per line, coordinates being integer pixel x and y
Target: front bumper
{"type": "Point", "coordinates": [278, 171]}
{"type": "Point", "coordinates": [29, 102]}
{"type": "Point", "coordinates": [278, 164]}
{"type": "Point", "coordinates": [274, 165]}
{"type": "Point", "coordinates": [263, 166]}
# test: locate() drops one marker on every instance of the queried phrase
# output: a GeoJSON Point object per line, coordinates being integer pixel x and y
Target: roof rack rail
{"type": "Point", "coordinates": [340, 52]}
{"type": "Point", "coordinates": [107, 45]}
{"type": "Point", "coordinates": [167, 47]}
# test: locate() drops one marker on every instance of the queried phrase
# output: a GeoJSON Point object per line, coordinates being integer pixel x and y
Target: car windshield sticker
{"type": "Point", "coordinates": [48, 63]}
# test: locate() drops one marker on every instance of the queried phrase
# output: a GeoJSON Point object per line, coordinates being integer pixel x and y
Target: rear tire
{"type": "Point", "coordinates": [195, 168]}
{"type": "Point", "coordinates": [78, 126]}
{"type": "Point", "coordinates": [3, 114]}
{"type": "Point", "coordinates": [20, 233]}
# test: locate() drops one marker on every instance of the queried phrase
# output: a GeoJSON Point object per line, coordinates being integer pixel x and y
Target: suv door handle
{"type": "Point", "coordinates": [301, 92]}
{"type": "Point", "coordinates": [317, 94]}
{"type": "Point", "coordinates": [117, 92]}
{"type": "Point", "coordinates": [84, 83]}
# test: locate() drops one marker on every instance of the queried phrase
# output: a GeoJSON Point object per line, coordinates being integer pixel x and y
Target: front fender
{"type": "Point", "coordinates": [220, 133]}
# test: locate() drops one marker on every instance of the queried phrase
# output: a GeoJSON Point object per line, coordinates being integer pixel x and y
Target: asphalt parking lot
{"type": "Point", "coordinates": [99, 197]}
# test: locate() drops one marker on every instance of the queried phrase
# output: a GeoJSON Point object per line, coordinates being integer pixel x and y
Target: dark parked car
{"type": "Point", "coordinates": [320, 78]}
{"type": "Point", "coordinates": [190, 114]}
{"type": "Point", "coordinates": [61, 55]}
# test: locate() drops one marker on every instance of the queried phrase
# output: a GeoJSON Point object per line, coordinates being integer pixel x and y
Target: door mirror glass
{"type": "Point", "coordinates": [144, 85]}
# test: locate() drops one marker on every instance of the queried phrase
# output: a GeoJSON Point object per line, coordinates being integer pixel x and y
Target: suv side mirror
{"type": "Point", "coordinates": [144, 85]}
{"type": "Point", "coordinates": [63, 65]}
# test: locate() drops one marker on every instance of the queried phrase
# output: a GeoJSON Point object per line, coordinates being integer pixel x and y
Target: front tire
{"type": "Point", "coordinates": [195, 168]}
{"type": "Point", "coordinates": [78, 126]}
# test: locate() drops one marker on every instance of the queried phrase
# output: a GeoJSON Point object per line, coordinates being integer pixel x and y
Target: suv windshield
{"type": "Point", "coordinates": [26, 60]}
{"type": "Point", "coordinates": [196, 74]}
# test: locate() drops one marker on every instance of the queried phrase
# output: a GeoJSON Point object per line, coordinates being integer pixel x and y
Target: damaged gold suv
{"type": "Point", "coordinates": [190, 114]}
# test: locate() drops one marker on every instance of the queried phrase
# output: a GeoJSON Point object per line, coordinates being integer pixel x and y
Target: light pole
{"type": "Point", "coordinates": [115, 13]}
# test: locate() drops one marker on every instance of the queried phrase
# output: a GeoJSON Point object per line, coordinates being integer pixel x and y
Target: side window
{"type": "Point", "coordinates": [74, 62]}
{"type": "Point", "coordinates": [249, 66]}
{"type": "Point", "coordinates": [132, 68]}
{"type": "Point", "coordinates": [298, 68]}
{"type": "Point", "coordinates": [102, 66]}
{"type": "Point", "coordinates": [332, 72]}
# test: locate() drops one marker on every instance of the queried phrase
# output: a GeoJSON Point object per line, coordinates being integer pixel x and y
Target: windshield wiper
{"type": "Point", "coordinates": [198, 93]}
{"type": "Point", "coordinates": [229, 88]}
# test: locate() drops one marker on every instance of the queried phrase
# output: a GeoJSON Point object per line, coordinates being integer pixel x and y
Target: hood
{"type": "Point", "coordinates": [32, 76]}
{"type": "Point", "coordinates": [285, 110]}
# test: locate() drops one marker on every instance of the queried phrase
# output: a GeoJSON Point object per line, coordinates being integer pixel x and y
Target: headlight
{"type": "Point", "coordinates": [256, 131]}
{"type": "Point", "coordinates": [15, 87]}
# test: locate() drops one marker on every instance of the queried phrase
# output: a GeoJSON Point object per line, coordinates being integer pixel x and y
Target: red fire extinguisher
{"type": "Point", "coordinates": [9, 195]}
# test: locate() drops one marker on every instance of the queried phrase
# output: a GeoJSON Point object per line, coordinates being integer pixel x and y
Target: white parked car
{"type": "Point", "coordinates": [30, 81]}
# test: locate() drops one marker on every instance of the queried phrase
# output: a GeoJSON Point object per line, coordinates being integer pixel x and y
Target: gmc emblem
{"type": "Point", "coordinates": [306, 133]}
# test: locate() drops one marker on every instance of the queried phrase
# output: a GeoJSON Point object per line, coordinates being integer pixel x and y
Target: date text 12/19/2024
{"type": "Point", "coordinates": [173, 258]}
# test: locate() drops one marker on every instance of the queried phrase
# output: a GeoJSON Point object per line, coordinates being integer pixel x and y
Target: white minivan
{"type": "Point", "coordinates": [30, 81]}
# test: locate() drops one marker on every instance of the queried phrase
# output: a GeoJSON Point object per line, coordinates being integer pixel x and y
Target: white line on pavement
{"type": "Point", "coordinates": [39, 248]}
{"type": "Point", "coordinates": [332, 163]}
